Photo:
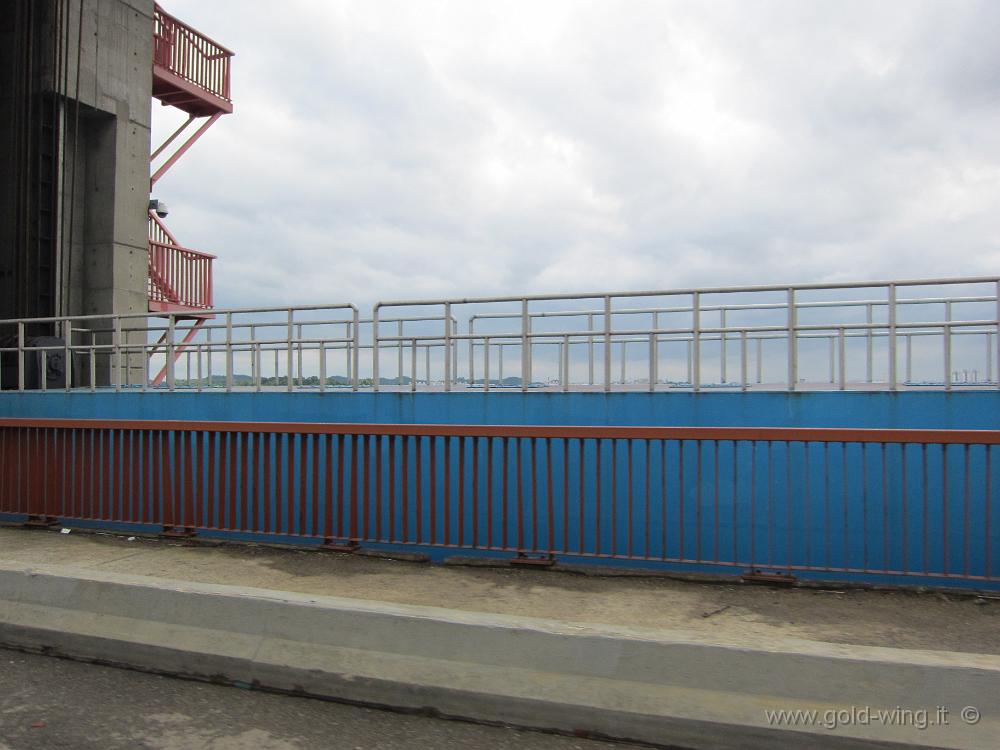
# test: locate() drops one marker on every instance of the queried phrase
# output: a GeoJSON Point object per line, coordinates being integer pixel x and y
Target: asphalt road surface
{"type": "Point", "coordinates": [48, 703]}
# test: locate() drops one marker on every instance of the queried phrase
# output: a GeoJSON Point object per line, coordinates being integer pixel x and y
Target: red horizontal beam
{"type": "Point", "coordinates": [768, 434]}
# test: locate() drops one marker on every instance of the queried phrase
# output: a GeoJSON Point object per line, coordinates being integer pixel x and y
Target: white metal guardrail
{"type": "Point", "coordinates": [928, 333]}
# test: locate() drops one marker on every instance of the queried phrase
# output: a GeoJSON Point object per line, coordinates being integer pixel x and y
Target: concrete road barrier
{"type": "Point", "coordinates": [663, 687]}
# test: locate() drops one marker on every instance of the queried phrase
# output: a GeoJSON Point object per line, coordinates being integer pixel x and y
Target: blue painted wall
{"type": "Point", "coordinates": [976, 410]}
{"type": "Point", "coordinates": [771, 506]}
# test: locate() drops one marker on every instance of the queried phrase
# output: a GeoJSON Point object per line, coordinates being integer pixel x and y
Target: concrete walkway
{"type": "Point", "coordinates": [650, 659]}
{"type": "Point", "coordinates": [852, 616]}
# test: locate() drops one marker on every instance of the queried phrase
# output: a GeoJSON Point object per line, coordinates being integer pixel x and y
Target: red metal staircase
{"type": "Point", "coordinates": [192, 73]}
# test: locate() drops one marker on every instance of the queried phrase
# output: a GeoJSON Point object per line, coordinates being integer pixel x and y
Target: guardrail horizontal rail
{"type": "Point", "coordinates": [879, 335]}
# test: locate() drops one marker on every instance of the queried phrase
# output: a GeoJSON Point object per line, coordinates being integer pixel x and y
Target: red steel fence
{"type": "Point", "coordinates": [179, 277]}
{"type": "Point", "coordinates": [827, 503]}
{"type": "Point", "coordinates": [190, 55]}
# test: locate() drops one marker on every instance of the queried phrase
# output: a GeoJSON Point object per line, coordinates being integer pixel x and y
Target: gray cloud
{"type": "Point", "coordinates": [396, 149]}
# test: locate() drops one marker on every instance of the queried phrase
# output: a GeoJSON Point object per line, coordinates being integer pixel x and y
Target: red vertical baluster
{"type": "Point", "coordinates": [614, 497]}
{"type": "Point", "coordinates": [167, 513]}
{"type": "Point", "coordinates": [630, 500]}
{"type": "Point", "coordinates": [505, 469]}
{"type": "Point", "coordinates": [377, 510]}
{"type": "Point", "coordinates": [475, 491]}
{"type": "Point", "coordinates": [341, 439]}
{"type": "Point", "coordinates": [432, 472]}
{"type": "Point", "coordinates": [597, 503]}
{"type": "Point", "coordinates": [581, 503]}
{"type": "Point", "coordinates": [418, 443]}
{"type": "Point", "coordinates": [404, 508]}
{"type": "Point", "coordinates": [548, 495]}
{"type": "Point", "coordinates": [245, 490]}
{"type": "Point", "coordinates": [532, 444]}
{"type": "Point", "coordinates": [680, 497]}
{"type": "Point", "coordinates": [262, 449]}
{"type": "Point", "coordinates": [461, 491]}
{"type": "Point", "coordinates": [392, 488]}
{"type": "Point", "coordinates": [289, 509]}
{"type": "Point", "coordinates": [354, 489]}
{"type": "Point", "coordinates": [314, 527]}
{"type": "Point", "coordinates": [279, 483]}
{"type": "Point", "coordinates": [107, 481]}
{"type": "Point", "coordinates": [232, 469]}
{"type": "Point", "coordinates": [519, 466]}
{"type": "Point", "coordinates": [715, 525]}
{"type": "Point", "coordinates": [489, 492]}
{"type": "Point", "coordinates": [364, 523]}
{"type": "Point", "coordinates": [697, 501]}
{"type": "Point", "coordinates": [649, 520]}
{"type": "Point", "coordinates": [328, 493]}
{"type": "Point", "coordinates": [447, 490]}
{"type": "Point", "coordinates": [302, 477]}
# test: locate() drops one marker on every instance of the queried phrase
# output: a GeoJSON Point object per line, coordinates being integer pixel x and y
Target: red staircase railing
{"type": "Point", "coordinates": [190, 72]}
{"type": "Point", "coordinates": [181, 51]}
{"type": "Point", "coordinates": [179, 278]}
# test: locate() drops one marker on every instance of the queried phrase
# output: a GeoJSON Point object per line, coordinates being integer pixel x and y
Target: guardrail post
{"type": "Point", "coordinates": [447, 346]}
{"type": "Point", "coordinates": [947, 354]}
{"type": "Point", "coordinates": [565, 363]}
{"type": "Point", "coordinates": [653, 363]}
{"type": "Point", "coordinates": [590, 349]}
{"type": "Point", "coordinates": [208, 355]}
{"type": "Point", "coordinates": [93, 363]}
{"type": "Point", "coordinates": [525, 346]}
{"type": "Point", "coordinates": [298, 328]}
{"type": "Point", "coordinates": [229, 352]}
{"type": "Point", "coordinates": [696, 341]}
{"type": "Point", "coordinates": [607, 343]}
{"type": "Point", "coordinates": [472, 352]}
{"type": "Point", "coordinates": [375, 349]}
{"type": "Point", "coordinates": [893, 379]}
{"type": "Point", "coordinates": [869, 344]}
{"type": "Point", "coordinates": [793, 358]}
{"type": "Point", "coordinates": [909, 358]}
{"type": "Point", "coordinates": [356, 348]}
{"type": "Point", "coordinates": [486, 363]}
{"type": "Point", "coordinates": [20, 355]}
{"type": "Point", "coordinates": [171, 322]}
{"type": "Point", "coordinates": [322, 366]}
{"type": "Point", "coordinates": [760, 360]}
{"type": "Point", "coordinates": [399, 354]}
{"type": "Point", "coordinates": [743, 359]}
{"type": "Point", "coordinates": [833, 359]}
{"type": "Point", "coordinates": [413, 366]}
{"type": "Point", "coordinates": [722, 346]}
{"type": "Point", "coordinates": [68, 352]}
{"type": "Point", "coordinates": [289, 358]}
{"type": "Point", "coordinates": [117, 354]}
{"type": "Point", "coordinates": [842, 339]}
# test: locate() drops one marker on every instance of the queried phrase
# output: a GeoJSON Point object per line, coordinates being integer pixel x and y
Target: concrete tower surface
{"type": "Point", "coordinates": [75, 110]}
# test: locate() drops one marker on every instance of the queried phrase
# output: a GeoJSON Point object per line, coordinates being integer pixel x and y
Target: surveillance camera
{"type": "Point", "coordinates": [159, 207]}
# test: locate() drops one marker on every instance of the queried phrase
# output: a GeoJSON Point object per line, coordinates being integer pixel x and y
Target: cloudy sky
{"type": "Point", "coordinates": [385, 150]}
